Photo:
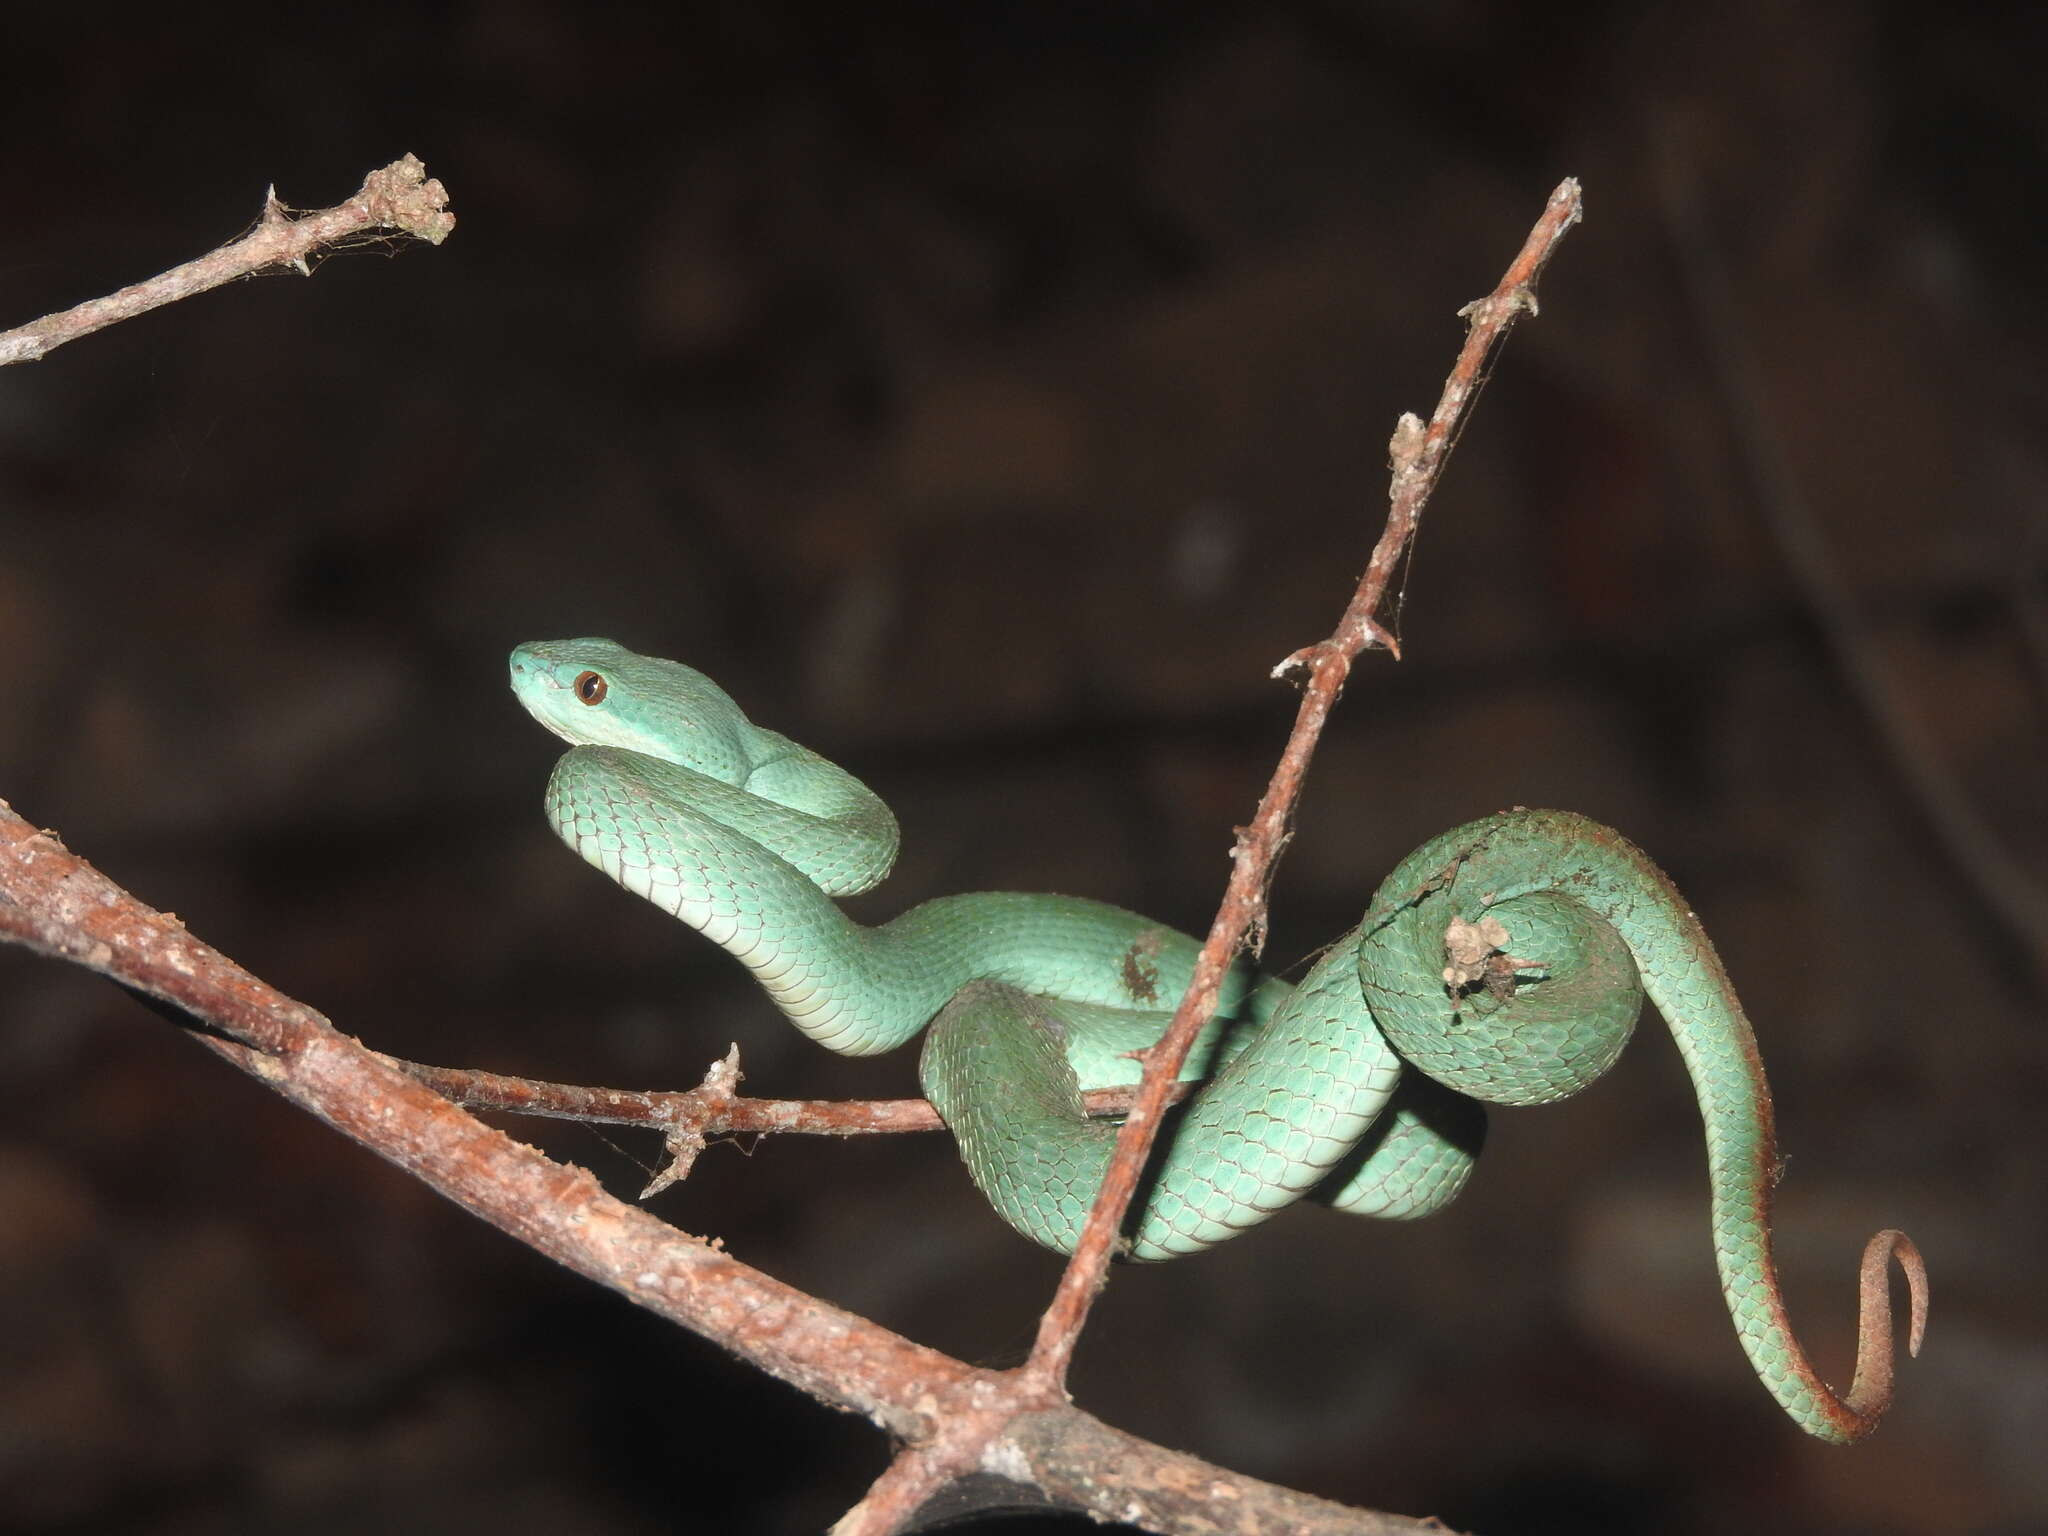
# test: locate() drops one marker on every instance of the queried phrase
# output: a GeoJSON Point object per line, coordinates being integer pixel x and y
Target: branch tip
{"type": "Point", "coordinates": [401, 196]}
{"type": "Point", "coordinates": [680, 1146]}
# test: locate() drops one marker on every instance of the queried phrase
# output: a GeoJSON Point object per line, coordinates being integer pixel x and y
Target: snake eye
{"type": "Point", "coordinates": [590, 687]}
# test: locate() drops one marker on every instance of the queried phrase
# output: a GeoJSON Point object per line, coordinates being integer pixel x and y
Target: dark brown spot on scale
{"type": "Point", "coordinates": [1140, 968]}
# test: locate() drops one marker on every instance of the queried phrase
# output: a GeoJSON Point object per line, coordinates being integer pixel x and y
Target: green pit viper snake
{"type": "Point", "coordinates": [1504, 961]}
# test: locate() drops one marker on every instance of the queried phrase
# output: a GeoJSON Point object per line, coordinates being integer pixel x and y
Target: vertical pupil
{"type": "Point", "coordinates": [590, 687]}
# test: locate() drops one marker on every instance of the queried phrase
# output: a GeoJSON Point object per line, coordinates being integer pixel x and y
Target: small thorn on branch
{"type": "Point", "coordinates": [1371, 632]}
{"type": "Point", "coordinates": [1497, 308]}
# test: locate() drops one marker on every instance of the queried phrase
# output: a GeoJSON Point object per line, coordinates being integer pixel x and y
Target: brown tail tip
{"type": "Point", "coordinates": [1896, 1245]}
{"type": "Point", "coordinates": [1871, 1393]}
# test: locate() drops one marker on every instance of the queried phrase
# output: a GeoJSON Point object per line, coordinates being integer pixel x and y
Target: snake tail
{"type": "Point", "coordinates": [1541, 877]}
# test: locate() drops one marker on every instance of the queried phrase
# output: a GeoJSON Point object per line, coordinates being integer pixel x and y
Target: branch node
{"type": "Point", "coordinates": [1496, 308]}
{"type": "Point", "coordinates": [1370, 632]}
{"type": "Point", "coordinates": [1404, 448]}
{"type": "Point", "coordinates": [683, 1138]}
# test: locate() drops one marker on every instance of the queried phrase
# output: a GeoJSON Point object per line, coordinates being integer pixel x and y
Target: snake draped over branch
{"type": "Point", "coordinates": [1504, 961]}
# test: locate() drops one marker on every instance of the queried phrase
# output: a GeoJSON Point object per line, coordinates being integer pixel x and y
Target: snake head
{"type": "Point", "coordinates": [596, 693]}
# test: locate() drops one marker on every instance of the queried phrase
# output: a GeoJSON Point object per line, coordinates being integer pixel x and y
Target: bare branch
{"type": "Point", "coordinates": [399, 197]}
{"type": "Point", "coordinates": [1418, 455]}
{"type": "Point", "coordinates": [57, 904]}
{"type": "Point", "coordinates": [1083, 1462]}
{"type": "Point", "coordinates": [2005, 889]}
{"type": "Point", "coordinates": [712, 1108]}
{"type": "Point", "coordinates": [692, 1117]}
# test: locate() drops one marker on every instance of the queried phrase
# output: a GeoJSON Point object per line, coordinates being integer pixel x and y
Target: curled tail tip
{"type": "Point", "coordinates": [1871, 1393]}
{"type": "Point", "coordinates": [1877, 1253]}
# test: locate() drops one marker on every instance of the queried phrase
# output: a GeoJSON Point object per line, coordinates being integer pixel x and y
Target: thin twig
{"type": "Point", "coordinates": [689, 1118]}
{"type": "Point", "coordinates": [401, 196]}
{"type": "Point", "coordinates": [1418, 455]}
{"type": "Point", "coordinates": [2004, 889]}
{"type": "Point", "coordinates": [2029, 607]}
{"type": "Point", "coordinates": [711, 1107]}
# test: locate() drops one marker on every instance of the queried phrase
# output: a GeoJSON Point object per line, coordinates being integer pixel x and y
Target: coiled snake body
{"type": "Point", "coordinates": [1503, 961]}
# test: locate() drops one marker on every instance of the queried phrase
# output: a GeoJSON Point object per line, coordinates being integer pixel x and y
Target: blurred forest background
{"type": "Point", "coordinates": [989, 395]}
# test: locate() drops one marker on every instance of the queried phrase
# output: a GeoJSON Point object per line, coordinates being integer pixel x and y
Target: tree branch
{"type": "Point", "coordinates": [1418, 456]}
{"type": "Point", "coordinates": [55, 903]}
{"type": "Point", "coordinates": [691, 1117]}
{"type": "Point", "coordinates": [400, 197]}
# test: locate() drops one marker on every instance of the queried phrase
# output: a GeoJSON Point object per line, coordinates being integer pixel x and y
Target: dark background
{"type": "Point", "coordinates": [989, 396]}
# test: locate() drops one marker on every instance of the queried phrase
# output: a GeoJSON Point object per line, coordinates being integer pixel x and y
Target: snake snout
{"type": "Point", "coordinates": [527, 663]}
